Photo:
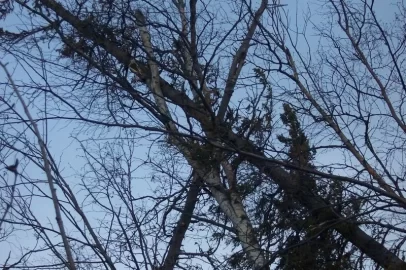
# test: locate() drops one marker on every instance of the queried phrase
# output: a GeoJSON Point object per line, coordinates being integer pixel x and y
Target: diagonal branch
{"type": "Point", "coordinates": [47, 166]}
{"type": "Point", "coordinates": [238, 61]}
{"type": "Point", "coordinates": [182, 224]}
{"type": "Point", "coordinates": [153, 80]}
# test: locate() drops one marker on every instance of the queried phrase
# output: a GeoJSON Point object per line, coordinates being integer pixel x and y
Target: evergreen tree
{"type": "Point", "coordinates": [307, 243]}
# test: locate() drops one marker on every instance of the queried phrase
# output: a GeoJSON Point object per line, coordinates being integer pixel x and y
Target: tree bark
{"type": "Point", "coordinates": [182, 225]}
{"type": "Point", "coordinates": [231, 205]}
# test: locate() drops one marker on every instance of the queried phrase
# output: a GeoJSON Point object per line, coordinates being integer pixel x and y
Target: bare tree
{"type": "Point", "coordinates": [204, 83]}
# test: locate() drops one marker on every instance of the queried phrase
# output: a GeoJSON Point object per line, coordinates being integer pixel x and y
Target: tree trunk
{"type": "Point", "coordinates": [231, 205]}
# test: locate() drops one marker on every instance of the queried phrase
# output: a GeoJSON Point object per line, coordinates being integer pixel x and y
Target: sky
{"type": "Point", "coordinates": [66, 149]}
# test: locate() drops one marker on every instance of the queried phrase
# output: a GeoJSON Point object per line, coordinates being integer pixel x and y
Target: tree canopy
{"type": "Point", "coordinates": [202, 134]}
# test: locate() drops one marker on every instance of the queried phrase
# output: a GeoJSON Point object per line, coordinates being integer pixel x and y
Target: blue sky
{"type": "Point", "coordinates": [66, 150]}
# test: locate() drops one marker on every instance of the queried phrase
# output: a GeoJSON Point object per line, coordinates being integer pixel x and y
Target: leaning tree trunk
{"type": "Point", "coordinates": [234, 209]}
